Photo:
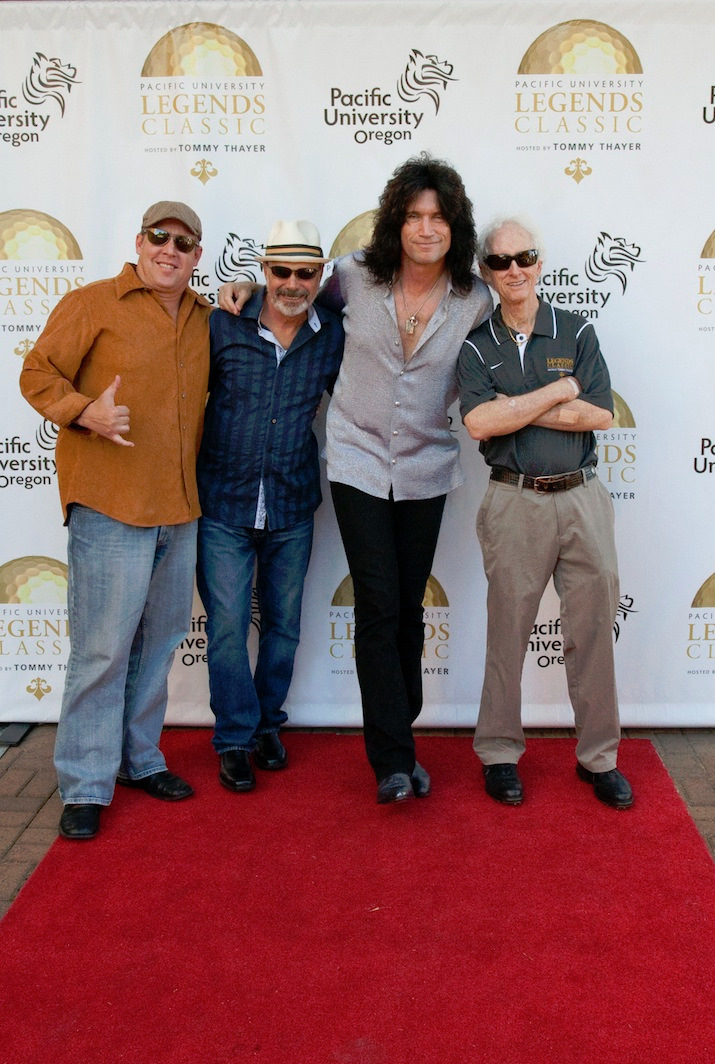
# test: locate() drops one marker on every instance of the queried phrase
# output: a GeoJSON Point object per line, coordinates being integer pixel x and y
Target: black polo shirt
{"type": "Point", "coordinates": [562, 343]}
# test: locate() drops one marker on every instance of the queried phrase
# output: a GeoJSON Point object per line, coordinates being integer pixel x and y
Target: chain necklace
{"type": "Point", "coordinates": [412, 321]}
{"type": "Point", "coordinates": [515, 336]}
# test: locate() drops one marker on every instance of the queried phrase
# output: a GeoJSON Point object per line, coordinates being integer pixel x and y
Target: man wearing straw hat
{"type": "Point", "coordinates": [259, 486]}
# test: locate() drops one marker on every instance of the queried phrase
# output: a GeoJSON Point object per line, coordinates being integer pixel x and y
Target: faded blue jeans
{"type": "Point", "coordinates": [246, 705]}
{"type": "Point", "coordinates": [130, 594]}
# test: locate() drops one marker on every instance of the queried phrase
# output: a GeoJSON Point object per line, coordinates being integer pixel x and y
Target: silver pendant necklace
{"type": "Point", "coordinates": [412, 321]}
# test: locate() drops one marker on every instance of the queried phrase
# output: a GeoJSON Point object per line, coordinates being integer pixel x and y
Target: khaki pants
{"type": "Point", "coordinates": [527, 538]}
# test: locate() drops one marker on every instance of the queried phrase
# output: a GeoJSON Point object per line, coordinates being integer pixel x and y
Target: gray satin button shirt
{"type": "Point", "coordinates": [387, 425]}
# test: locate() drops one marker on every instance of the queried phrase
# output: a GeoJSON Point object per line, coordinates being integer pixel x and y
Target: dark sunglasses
{"type": "Point", "coordinates": [303, 273]}
{"type": "Point", "coordinates": [503, 262]}
{"type": "Point", "coordinates": [161, 237]}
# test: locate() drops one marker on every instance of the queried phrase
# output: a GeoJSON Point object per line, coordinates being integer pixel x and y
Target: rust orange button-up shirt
{"type": "Point", "coordinates": [118, 326]}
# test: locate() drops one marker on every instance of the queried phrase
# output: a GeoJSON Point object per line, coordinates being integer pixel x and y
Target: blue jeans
{"type": "Point", "coordinates": [244, 705]}
{"type": "Point", "coordinates": [130, 593]}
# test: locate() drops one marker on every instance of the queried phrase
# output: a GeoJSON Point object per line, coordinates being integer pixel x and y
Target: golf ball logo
{"type": "Point", "coordinates": [203, 49]}
{"type": "Point", "coordinates": [580, 84]}
{"type": "Point", "coordinates": [700, 641]}
{"type": "Point", "coordinates": [40, 261]}
{"type": "Point", "coordinates": [32, 580]}
{"type": "Point", "coordinates": [201, 79]}
{"type": "Point", "coordinates": [434, 594]}
{"type": "Point", "coordinates": [706, 284]}
{"type": "Point", "coordinates": [622, 414]}
{"type": "Point", "coordinates": [582, 48]}
{"type": "Point", "coordinates": [705, 596]}
{"type": "Point", "coordinates": [30, 234]}
{"type": "Point", "coordinates": [354, 236]}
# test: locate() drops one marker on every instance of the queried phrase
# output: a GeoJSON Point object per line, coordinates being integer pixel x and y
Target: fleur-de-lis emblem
{"type": "Point", "coordinates": [23, 349]}
{"type": "Point", "coordinates": [39, 688]}
{"type": "Point", "coordinates": [578, 169]}
{"type": "Point", "coordinates": [204, 170]}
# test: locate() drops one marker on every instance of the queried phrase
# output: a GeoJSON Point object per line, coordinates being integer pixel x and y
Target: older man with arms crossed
{"type": "Point", "coordinates": [533, 387]}
{"type": "Point", "coordinates": [259, 485]}
{"type": "Point", "coordinates": [122, 368]}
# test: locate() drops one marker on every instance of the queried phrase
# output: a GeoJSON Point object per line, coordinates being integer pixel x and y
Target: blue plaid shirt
{"type": "Point", "coordinates": [259, 418]}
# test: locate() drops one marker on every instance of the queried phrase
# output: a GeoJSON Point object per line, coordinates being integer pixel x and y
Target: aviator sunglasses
{"type": "Point", "coordinates": [161, 237]}
{"type": "Point", "coordinates": [503, 262]}
{"type": "Point", "coordinates": [303, 273]}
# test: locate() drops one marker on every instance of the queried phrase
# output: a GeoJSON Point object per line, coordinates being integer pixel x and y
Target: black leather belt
{"type": "Point", "coordinates": [544, 485]}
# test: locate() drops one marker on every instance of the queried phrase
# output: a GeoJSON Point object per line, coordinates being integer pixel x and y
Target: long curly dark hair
{"type": "Point", "coordinates": [383, 255]}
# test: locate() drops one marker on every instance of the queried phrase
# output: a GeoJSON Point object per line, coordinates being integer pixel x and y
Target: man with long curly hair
{"type": "Point", "coordinates": [408, 301]}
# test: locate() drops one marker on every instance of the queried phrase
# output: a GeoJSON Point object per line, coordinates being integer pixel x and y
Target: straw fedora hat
{"type": "Point", "coordinates": [294, 242]}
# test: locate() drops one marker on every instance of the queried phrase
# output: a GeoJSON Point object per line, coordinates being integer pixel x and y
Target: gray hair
{"type": "Point", "coordinates": [489, 231]}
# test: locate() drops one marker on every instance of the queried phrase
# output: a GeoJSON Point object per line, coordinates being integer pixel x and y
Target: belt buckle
{"type": "Point", "coordinates": [538, 489]}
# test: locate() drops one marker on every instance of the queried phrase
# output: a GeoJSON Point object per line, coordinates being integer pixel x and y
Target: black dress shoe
{"type": "Point", "coordinates": [236, 772]}
{"type": "Point", "coordinates": [80, 821]}
{"type": "Point", "coordinates": [610, 787]}
{"type": "Point", "coordinates": [502, 782]}
{"type": "Point", "coordinates": [270, 753]}
{"type": "Point", "coordinates": [395, 788]}
{"type": "Point", "coordinates": [164, 785]}
{"type": "Point", "coordinates": [421, 783]}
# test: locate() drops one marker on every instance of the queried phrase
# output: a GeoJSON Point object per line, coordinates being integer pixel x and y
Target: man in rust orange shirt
{"type": "Point", "coordinates": [122, 368]}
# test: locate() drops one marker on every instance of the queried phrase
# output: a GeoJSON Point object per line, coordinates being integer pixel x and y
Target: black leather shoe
{"type": "Point", "coordinates": [395, 788]}
{"type": "Point", "coordinates": [236, 772]}
{"type": "Point", "coordinates": [610, 787]}
{"type": "Point", "coordinates": [164, 785]}
{"type": "Point", "coordinates": [270, 753]}
{"type": "Point", "coordinates": [421, 783]}
{"type": "Point", "coordinates": [80, 821]}
{"type": "Point", "coordinates": [502, 782]}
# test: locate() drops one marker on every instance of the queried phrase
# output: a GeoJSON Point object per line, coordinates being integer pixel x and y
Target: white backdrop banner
{"type": "Point", "coordinates": [598, 120]}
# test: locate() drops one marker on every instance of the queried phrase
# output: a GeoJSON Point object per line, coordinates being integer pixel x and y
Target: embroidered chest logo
{"type": "Point", "coordinates": [559, 365]}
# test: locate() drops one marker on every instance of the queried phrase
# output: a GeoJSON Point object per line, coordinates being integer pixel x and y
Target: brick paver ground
{"type": "Point", "coordinates": [30, 807]}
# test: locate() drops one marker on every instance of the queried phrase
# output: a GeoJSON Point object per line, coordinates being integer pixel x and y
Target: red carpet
{"type": "Point", "coordinates": [305, 924]}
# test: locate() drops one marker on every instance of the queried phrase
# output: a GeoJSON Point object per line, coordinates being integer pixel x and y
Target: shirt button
{"type": "Point", "coordinates": [273, 420]}
{"type": "Point", "coordinates": [395, 432]}
{"type": "Point", "coordinates": [397, 402]}
{"type": "Point", "coordinates": [394, 461]}
{"type": "Point", "coordinates": [183, 395]}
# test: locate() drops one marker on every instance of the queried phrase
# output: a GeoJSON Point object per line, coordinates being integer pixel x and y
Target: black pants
{"type": "Point", "coordinates": [390, 548]}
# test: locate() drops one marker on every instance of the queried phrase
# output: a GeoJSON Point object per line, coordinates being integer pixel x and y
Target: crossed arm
{"type": "Point", "coordinates": [555, 406]}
